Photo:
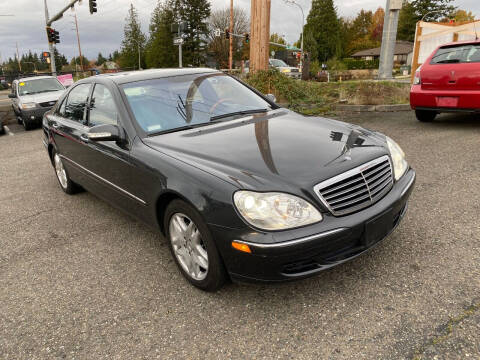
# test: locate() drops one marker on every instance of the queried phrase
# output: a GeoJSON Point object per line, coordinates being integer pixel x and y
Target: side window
{"type": "Point", "coordinates": [102, 107]}
{"type": "Point", "coordinates": [14, 88]}
{"type": "Point", "coordinates": [76, 101]}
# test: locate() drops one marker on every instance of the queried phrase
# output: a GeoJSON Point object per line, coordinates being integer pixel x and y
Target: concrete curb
{"type": "Point", "coordinates": [371, 108]}
{"type": "Point", "coordinates": [6, 115]}
{"type": "Point", "coordinates": [359, 108]}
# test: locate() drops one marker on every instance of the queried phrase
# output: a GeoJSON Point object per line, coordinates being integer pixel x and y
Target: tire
{"type": "Point", "coordinates": [27, 125]}
{"type": "Point", "coordinates": [194, 247]}
{"type": "Point", "coordinates": [425, 115]}
{"type": "Point", "coordinates": [66, 184]}
{"type": "Point", "coordinates": [15, 111]}
{"type": "Point", "coordinates": [2, 130]}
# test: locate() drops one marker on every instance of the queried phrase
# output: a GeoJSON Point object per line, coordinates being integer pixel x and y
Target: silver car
{"type": "Point", "coordinates": [33, 96]}
{"type": "Point", "coordinates": [290, 71]}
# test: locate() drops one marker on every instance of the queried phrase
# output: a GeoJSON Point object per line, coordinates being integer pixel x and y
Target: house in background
{"type": "Point", "coordinates": [402, 55]}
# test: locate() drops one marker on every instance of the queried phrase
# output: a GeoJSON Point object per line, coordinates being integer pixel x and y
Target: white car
{"type": "Point", "coordinates": [290, 71]}
{"type": "Point", "coordinates": [34, 96]}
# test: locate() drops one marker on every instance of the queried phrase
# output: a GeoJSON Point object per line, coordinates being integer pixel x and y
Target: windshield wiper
{"type": "Point", "coordinates": [448, 61]}
{"type": "Point", "coordinates": [185, 127]}
{"type": "Point", "coordinates": [243, 112]}
{"type": "Point", "coordinates": [44, 91]}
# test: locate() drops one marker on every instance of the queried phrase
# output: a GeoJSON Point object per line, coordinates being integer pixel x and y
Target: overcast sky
{"type": "Point", "coordinates": [103, 31]}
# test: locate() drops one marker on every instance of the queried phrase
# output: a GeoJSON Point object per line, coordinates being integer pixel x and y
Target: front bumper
{"type": "Point", "coordinates": [303, 252]}
{"type": "Point", "coordinates": [294, 75]}
{"type": "Point", "coordinates": [34, 114]}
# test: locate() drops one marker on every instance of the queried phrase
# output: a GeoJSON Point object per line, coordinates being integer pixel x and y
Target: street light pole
{"type": "Point", "coordinates": [432, 12]}
{"type": "Point", "coordinates": [303, 27]}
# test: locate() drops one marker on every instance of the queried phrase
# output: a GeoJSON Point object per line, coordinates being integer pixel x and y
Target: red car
{"type": "Point", "coordinates": [448, 81]}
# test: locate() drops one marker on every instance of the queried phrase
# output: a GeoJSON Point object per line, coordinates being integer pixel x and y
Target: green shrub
{"type": "Point", "coordinates": [359, 64]}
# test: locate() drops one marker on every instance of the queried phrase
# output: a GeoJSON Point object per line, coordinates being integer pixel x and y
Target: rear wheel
{"type": "Point", "coordinates": [27, 125]}
{"type": "Point", "coordinates": [67, 185]}
{"type": "Point", "coordinates": [193, 247]}
{"type": "Point", "coordinates": [425, 115]}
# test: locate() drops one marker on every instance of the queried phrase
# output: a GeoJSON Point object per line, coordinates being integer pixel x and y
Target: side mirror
{"type": "Point", "coordinates": [271, 97]}
{"type": "Point", "coordinates": [12, 96]}
{"type": "Point", "coordinates": [105, 132]}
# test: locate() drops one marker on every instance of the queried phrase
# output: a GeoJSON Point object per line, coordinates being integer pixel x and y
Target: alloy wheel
{"type": "Point", "coordinates": [60, 170]}
{"type": "Point", "coordinates": [188, 246]}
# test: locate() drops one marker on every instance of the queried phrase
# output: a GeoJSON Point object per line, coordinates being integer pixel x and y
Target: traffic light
{"type": "Point", "coordinates": [227, 34]}
{"type": "Point", "coordinates": [247, 38]}
{"type": "Point", "coordinates": [92, 4]}
{"type": "Point", "coordinates": [45, 57]}
{"type": "Point", "coordinates": [53, 36]}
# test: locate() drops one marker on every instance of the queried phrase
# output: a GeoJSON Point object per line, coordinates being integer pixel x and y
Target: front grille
{"type": "Point", "coordinates": [357, 188]}
{"type": "Point", "coordinates": [47, 104]}
{"type": "Point", "coordinates": [294, 70]}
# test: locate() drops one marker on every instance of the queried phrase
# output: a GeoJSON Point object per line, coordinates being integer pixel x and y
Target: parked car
{"type": "Point", "coordinates": [448, 81]}
{"type": "Point", "coordinates": [33, 96]}
{"type": "Point", "coordinates": [240, 187]}
{"type": "Point", "coordinates": [290, 71]}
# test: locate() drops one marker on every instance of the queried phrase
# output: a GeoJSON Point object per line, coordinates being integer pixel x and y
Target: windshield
{"type": "Point", "coordinates": [177, 102]}
{"type": "Point", "coordinates": [39, 86]}
{"type": "Point", "coordinates": [278, 63]}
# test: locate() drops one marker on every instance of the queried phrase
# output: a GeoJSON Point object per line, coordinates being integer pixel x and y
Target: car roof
{"type": "Point", "coordinates": [36, 78]}
{"type": "Point", "coordinates": [459, 43]}
{"type": "Point", "coordinates": [139, 75]}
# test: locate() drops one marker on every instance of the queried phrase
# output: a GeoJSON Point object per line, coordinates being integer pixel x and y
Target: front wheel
{"type": "Point", "coordinates": [425, 115]}
{"type": "Point", "coordinates": [193, 247]}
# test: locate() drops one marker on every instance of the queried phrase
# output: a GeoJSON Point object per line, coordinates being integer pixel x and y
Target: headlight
{"type": "Point", "coordinates": [29, 106]}
{"type": "Point", "coordinates": [285, 70]}
{"type": "Point", "coordinates": [275, 211]}
{"type": "Point", "coordinates": [400, 165]}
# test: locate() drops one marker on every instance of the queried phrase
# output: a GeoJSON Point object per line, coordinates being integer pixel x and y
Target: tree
{"type": "Point", "coordinates": [463, 16]}
{"type": "Point", "coordinates": [322, 31]}
{"type": "Point", "coordinates": [195, 14]}
{"type": "Point", "coordinates": [133, 41]}
{"type": "Point", "coordinates": [161, 52]}
{"type": "Point", "coordinates": [219, 46]}
{"type": "Point", "coordinates": [76, 62]}
{"type": "Point", "coordinates": [100, 59]}
{"type": "Point", "coordinates": [376, 29]}
{"type": "Point", "coordinates": [429, 10]}
{"type": "Point", "coordinates": [275, 38]}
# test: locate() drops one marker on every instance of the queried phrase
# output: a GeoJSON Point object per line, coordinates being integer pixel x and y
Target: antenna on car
{"type": "Point", "coordinates": [475, 28]}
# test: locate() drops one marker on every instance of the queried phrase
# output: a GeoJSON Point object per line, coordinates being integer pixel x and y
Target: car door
{"type": "Point", "coordinates": [109, 162]}
{"type": "Point", "coordinates": [69, 126]}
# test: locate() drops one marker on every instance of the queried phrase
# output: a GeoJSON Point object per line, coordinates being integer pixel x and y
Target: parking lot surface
{"type": "Point", "coordinates": [80, 280]}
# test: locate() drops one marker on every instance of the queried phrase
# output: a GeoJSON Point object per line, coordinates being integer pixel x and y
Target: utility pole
{"type": "Point", "coordinates": [389, 38]}
{"type": "Point", "coordinates": [259, 34]}
{"type": "Point", "coordinates": [50, 45]}
{"type": "Point", "coordinates": [18, 59]}
{"type": "Point", "coordinates": [230, 57]}
{"type": "Point", "coordinates": [78, 40]}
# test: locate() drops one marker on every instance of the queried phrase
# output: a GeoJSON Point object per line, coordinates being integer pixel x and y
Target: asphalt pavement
{"type": "Point", "coordinates": [81, 280]}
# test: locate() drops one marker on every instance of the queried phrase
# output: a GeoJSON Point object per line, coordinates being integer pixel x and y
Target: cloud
{"type": "Point", "coordinates": [103, 31]}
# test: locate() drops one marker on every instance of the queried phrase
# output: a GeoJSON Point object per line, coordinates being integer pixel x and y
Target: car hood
{"type": "Point", "coordinates": [41, 98]}
{"type": "Point", "coordinates": [280, 150]}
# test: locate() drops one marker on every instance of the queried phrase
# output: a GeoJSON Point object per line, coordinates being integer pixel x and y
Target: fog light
{"type": "Point", "coordinates": [241, 247]}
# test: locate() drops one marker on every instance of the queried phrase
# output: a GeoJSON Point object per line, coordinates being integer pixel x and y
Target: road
{"type": "Point", "coordinates": [81, 280]}
{"type": "Point", "coordinates": [4, 100]}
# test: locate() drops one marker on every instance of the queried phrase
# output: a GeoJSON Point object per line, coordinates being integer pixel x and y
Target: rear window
{"type": "Point", "coordinates": [469, 53]}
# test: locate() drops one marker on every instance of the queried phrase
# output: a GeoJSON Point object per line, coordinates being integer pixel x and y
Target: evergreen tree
{"type": "Point", "coordinates": [195, 14]}
{"type": "Point", "coordinates": [100, 59]}
{"type": "Point", "coordinates": [322, 31]}
{"type": "Point", "coordinates": [160, 49]}
{"type": "Point", "coordinates": [133, 41]}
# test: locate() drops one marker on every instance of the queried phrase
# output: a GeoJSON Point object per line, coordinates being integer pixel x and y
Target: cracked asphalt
{"type": "Point", "coordinates": [81, 280]}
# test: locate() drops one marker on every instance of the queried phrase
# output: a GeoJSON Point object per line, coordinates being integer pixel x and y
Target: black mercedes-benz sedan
{"type": "Point", "coordinates": [241, 188]}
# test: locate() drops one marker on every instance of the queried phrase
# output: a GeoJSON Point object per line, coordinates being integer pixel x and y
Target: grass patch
{"type": "Point", "coordinates": [310, 97]}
